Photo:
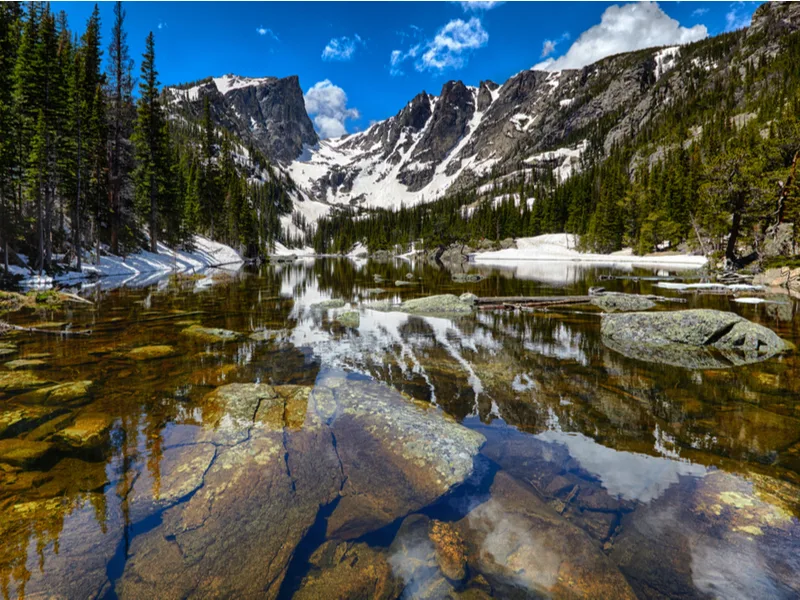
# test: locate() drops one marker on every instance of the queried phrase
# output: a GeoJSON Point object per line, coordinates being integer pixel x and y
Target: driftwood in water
{"type": "Point", "coordinates": [513, 302]}
{"type": "Point", "coordinates": [533, 300]}
{"type": "Point", "coordinates": [5, 327]}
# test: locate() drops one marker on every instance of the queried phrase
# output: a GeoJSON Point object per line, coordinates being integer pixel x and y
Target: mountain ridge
{"type": "Point", "coordinates": [453, 140]}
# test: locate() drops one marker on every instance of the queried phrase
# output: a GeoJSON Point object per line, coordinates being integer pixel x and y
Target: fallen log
{"type": "Point", "coordinates": [533, 300]}
{"type": "Point", "coordinates": [5, 327]}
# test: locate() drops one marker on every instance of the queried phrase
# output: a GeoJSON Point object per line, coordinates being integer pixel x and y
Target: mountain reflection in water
{"type": "Point", "coordinates": [499, 454]}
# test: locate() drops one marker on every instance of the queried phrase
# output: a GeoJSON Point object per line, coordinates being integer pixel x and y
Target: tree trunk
{"type": "Point", "coordinates": [730, 249]}
{"type": "Point", "coordinates": [153, 215]}
{"type": "Point", "coordinates": [76, 223]}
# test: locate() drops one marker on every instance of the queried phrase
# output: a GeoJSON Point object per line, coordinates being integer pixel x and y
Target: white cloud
{"type": "Point", "coordinates": [699, 12]}
{"type": "Point", "coordinates": [738, 16]}
{"type": "Point", "coordinates": [478, 5]}
{"type": "Point", "coordinates": [341, 48]}
{"type": "Point", "coordinates": [327, 104]}
{"type": "Point", "coordinates": [549, 46]}
{"type": "Point", "coordinates": [261, 30]}
{"type": "Point", "coordinates": [452, 44]}
{"type": "Point", "coordinates": [162, 24]}
{"type": "Point", "coordinates": [624, 29]}
{"type": "Point", "coordinates": [398, 57]}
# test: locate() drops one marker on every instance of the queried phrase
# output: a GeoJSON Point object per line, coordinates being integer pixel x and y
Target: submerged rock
{"type": "Point", "coordinates": [268, 335]}
{"type": "Point", "coordinates": [719, 536]}
{"type": "Point", "coordinates": [150, 352]}
{"type": "Point", "coordinates": [25, 364]}
{"type": "Point", "coordinates": [442, 304]}
{"type": "Point", "coordinates": [451, 554]}
{"type": "Point", "coordinates": [612, 302]}
{"type": "Point", "coordinates": [374, 291]}
{"type": "Point", "coordinates": [211, 335]}
{"type": "Point", "coordinates": [23, 453]}
{"type": "Point", "coordinates": [696, 338]}
{"type": "Point", "coordinates": [63, 393]}
{"type": "Point", "coordinates": [276, 455]}
{"type": "Point", "coordinates": [348, 570]}
{"type": "Point", "coordinates": [17, 381]}
{"type": "Point", "coordinates": [17, 419]}
{"type": "Point", "coordinates": [88, 432]}
{"type": "Point", "coordinates": [397, 456]}
{"type": "Point", "coordinates": [401, 283]}
{"type": "Point", "coordinates": [467, 277]}
{"type": "Point", "coordinates": [349, 319]}
{"type": "Point", "coordinates": [516, 541]}
{"type": "Point", "coordinates": [7, 348]}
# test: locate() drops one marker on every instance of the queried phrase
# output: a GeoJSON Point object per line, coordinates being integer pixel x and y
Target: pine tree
{"type": "Point", "coordinates": [121, 116]}
{"type": "Point", "coordinates": [151, 143]}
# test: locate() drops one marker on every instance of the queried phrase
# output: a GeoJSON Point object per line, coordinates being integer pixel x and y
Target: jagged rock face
{"type": "Point", "coordinates": [270, 112]}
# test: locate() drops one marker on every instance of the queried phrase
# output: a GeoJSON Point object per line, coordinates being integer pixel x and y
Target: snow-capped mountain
{"type": "Point", "coordinates": [534, 119]}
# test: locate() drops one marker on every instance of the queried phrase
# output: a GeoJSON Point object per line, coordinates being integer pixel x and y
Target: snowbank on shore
{"type": "Point", "coordinates": [281, 250]}
{"type": "Point", "coordinates": [562, 246]}
{"type": "Point", "coordinates": [206, 254]}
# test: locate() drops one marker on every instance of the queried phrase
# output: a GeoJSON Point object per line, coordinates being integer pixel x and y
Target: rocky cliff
{"type": "Point", "coordinates": [268, 112]}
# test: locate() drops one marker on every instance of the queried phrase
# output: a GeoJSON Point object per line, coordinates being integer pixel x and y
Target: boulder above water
{"type": "Point", "coordinates": [325, 304]}
{"type": "Point", "coordinates": [441, 304]}
{"type": "Point", "coordinates": [698, 338]}
{"type": "Point", "coordinates": [612, 302]}
{"type": "Point", "coordinates": [350, 318]}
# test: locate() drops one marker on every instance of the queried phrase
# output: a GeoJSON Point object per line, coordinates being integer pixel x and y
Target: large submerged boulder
{"type": "Point", "coordinates": [241, 491]}
{"type": "Point", "coordinates": [699, 338]}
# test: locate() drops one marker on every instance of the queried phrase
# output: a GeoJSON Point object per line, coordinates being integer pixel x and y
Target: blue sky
{"type": "Point", "coordinates": [360, 62]}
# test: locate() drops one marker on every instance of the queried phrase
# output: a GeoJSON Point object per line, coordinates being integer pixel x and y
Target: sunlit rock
{"type": "Point", "coordinates": [696, 339]}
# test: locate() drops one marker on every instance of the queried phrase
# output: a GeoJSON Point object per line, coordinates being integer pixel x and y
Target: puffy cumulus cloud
{"type": "Point", "coordinates": [326, 103]}
{"type": "Point", "coordinates": [624, 29]}
{"type": "Point", "coordinates": [341, 48]}
{"type": "Point", "coordinates": [452, 44]}
{"type": "Point", "coordinates": [479, 5]}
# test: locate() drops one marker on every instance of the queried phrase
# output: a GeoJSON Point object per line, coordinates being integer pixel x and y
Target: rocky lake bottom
{"type": "Point", "coordinates": [287, 432]}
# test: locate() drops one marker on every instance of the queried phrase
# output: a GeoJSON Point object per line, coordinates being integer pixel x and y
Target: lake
{"type": "Point", "coordinates": [222, 436]}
